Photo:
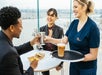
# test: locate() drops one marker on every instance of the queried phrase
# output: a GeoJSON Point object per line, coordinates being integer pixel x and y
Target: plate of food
{"type": "Point", "coordinates": [38, 56]}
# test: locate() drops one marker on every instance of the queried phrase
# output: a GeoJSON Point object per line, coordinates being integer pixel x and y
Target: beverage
{"type": "Point", "coordinates": [42, 38]}
{"type": "Point", "coordinates": [61, 49]}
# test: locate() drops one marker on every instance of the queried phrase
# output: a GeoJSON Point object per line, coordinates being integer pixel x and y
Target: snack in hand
{"type": "Point", "coordinates": [38, 56]}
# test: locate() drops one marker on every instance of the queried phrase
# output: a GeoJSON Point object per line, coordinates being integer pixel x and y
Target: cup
{"type": "Point", "coordinates": [61, 49]}
{"type": "Point", "coordinates": [42, 34]}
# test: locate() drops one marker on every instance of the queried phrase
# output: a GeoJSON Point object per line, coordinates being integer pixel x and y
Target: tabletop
{"type": "Point", "coordinates": [47, 63]}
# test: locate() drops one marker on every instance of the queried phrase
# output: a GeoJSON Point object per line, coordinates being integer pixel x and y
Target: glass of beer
{"type": "Point", "coordinates": [61, 49]}
{"type": "Point", "coordinates": [42, 38]}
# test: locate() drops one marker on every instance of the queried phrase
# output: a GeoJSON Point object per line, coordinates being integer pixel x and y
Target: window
{"type": "Point", "coordinates": [34, 16]}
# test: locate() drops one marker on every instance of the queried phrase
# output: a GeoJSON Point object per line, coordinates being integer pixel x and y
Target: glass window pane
{"type": "Point", "coordinates": [29, 17]}
{"type": "Point", "coordinates": [62, 7]}
{"type": "Point", "coordinates": [97, 16]}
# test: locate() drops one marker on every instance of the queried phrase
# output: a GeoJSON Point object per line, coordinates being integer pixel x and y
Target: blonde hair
{"type": "Point", "coordinates": [89, 4]}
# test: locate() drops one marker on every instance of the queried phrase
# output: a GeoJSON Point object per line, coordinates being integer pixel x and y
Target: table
{"type": "Point", "coordinates": [47, 63]}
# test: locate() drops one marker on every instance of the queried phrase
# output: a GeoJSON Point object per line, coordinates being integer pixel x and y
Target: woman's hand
{"type": "Point", "coordinates": [58, 68]}
{"type": "Point", "coordinates": [55, 41]}
{"type": "Point", "coordinates": [47, 39]}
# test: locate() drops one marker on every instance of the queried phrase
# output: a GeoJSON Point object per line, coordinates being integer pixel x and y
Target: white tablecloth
{"type": "Point", "coordinates": [47, 63]}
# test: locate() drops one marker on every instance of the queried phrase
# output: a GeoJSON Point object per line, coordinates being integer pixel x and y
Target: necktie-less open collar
{"type": "Point", "coordinates": [50, 28]}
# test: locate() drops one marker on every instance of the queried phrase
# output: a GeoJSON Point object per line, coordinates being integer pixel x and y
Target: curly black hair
{"type": "Point", "coordinates": [9, 16]}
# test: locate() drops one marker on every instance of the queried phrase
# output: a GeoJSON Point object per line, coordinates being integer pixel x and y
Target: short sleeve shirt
{"type": "Point", "coordinates": [88, 37]}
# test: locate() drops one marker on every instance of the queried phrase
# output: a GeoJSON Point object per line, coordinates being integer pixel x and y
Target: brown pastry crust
{"type": "Point", "coordinates": [37, 56]}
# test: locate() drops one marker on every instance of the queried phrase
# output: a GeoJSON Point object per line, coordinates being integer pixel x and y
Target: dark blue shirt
{"type": "Point", "coordinates": [88, 37]}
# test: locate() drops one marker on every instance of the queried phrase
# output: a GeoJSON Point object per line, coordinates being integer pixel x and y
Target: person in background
{"type": "Point", "coordinates": [52, 30]}
{"type": "Point", "coordinates": [83, 35]}
{"type": "Point", "coordinates": [11, 27]}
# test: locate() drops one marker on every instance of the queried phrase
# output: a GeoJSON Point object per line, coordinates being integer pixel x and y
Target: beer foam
{"type": "Point", "coordinates": [60, 44]}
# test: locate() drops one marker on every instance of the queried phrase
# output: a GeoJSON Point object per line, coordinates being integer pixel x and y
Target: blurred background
{"type": "Point", "coordinates": [34, 15]}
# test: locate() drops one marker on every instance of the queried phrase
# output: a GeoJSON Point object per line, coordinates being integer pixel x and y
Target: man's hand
{"type": "Point", "coordinates": [34, 64]}
{"type": "Point", "coordinates": [35, 40]}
